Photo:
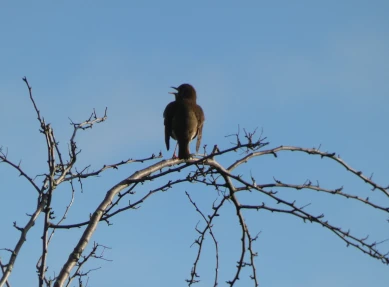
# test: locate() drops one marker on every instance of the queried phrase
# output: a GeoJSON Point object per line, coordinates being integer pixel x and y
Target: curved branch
{"type": "Point", "coordinates": [337, 191]}
{"type": "Point", "coordinates": [369, 249]}
{"type": "Point", "coordinates": [97, 215]}
{"type": "Point", "coordinates": [312, 151]}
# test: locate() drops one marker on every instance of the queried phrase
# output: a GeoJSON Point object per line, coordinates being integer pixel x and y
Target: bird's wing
{"type": "Point", "coordinates": [168, 114]}
{"type": "Point", "coordinates": [200, 122]}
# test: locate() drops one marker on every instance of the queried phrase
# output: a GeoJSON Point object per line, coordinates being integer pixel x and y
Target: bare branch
{"type": "Point", "coordinates": [201, 239]}
{"type": "Point", "coordinates": [369, 249]}
{"type": "Point", "coordinates": [81, 174]}
{"type": "Point", "coordinates": [41, 121]}
{"type": "Point", "coordinates": [205, 170]}
{"type": "Point", "coordinates": [22, 239]}
{"type": "Point", "coordinates": [2, 268]}
{"type": "Point", "coordinates": [337, 191]}
{"type": "Point", "coordinates": [312, 151]}
{"type": "Point", "coordinates": [92, 254]}
{"type": "Point", "coordinates": [97, 215]}
{"type": "Point", "coordinates": [3, 158]}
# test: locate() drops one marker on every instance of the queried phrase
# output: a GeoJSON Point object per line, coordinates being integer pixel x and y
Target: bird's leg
{"type": "Point", "coordinates": [174, 153]}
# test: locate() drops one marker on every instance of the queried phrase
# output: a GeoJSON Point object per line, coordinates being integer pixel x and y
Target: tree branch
{"type": "Point", "coordinates": [22, 239]}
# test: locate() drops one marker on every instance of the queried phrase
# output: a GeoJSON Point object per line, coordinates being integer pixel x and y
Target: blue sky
{"type": "Point", "coordinates": [305, 72]}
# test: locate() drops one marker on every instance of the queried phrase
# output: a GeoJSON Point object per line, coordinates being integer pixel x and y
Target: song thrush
{"type": "Point", "coordinates": [184, 120]}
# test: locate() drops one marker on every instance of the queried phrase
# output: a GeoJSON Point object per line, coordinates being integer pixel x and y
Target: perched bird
{"type": "Point", "coordinates": [184, 120]}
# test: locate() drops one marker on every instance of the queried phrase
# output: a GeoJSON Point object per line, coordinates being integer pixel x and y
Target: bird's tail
{"type": "Point", "coordinates": [183, 151]}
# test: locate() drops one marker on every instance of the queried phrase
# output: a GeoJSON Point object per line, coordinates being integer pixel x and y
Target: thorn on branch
{"type": "Point", "coordinates": [215, 149]}
{"type": "Point", "coordinates": [17, 227]}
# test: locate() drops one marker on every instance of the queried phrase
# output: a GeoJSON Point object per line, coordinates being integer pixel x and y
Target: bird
{"type": "Point", "coordinates": [183, 120]}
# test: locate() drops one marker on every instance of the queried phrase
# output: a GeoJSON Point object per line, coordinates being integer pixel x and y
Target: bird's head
{"type": "Point", "coordinates": [186, 91]}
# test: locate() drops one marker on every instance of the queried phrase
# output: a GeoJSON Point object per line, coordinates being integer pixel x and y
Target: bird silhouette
{"type": "Point", "coordinates": [184, 120]}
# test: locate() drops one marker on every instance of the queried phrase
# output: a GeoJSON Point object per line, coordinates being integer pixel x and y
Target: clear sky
{"type": "Point", "coordinates": [307, 73]}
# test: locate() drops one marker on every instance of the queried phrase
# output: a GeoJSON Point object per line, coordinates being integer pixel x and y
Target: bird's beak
{"type": "Point", "coordinates": [173, 93]}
